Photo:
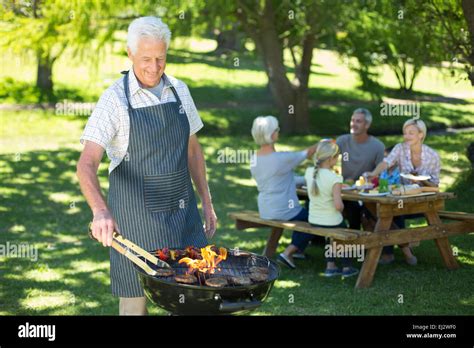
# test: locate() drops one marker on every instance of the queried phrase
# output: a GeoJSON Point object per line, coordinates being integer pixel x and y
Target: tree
{"type": "Point", "coordinates": [49, 27]}
{"type": "Point", "coordinates": [292, 26]}
{"type": "Point", "coordinates": [46, 28]}
{"type": "Point", "coordinates": [457, 19]}
{"type": "Point", "coordinates": [383, 32]}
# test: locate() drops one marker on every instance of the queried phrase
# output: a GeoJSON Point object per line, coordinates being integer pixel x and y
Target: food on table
{"type": "Point", "coordinates": [216, 282]}
{"type": "Point", "coordinates": [185, 279]}
{"type": "Point", "coordinates": [407, 190]}
{"type": "Point", "coordinates": [361, 181]}
{"type": "Point", "coordinates": [374, 192]}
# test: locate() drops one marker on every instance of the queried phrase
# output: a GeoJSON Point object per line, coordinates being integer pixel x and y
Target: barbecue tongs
{"type": "Point", "coordinates": [132, 252]}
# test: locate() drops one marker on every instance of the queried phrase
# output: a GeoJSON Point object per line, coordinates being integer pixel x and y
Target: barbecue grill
{"type": "Point", "coordinates": [200, 299]}
{"type": "Point", "coordinates": [247, 281]}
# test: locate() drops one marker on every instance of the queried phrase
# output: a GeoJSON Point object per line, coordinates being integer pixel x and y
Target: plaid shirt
{"type": "Point", "coordinates": [430, 161]}
{"type": "Point", "coordinates": [109, 123]}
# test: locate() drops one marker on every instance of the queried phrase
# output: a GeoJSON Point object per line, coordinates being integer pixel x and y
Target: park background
{"type": "Point", "coordinates": [327, 58]}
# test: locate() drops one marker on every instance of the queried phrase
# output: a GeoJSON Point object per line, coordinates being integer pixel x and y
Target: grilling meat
{"type": "Point", "coordinates": [217, 282]}
{"type": "Point", "coordinates": [258, 276]}
{"type": "Point", "coordinates": [255, 269]}
{"type": "Point", "coordinates": [164, 272]}
{"type": "Point", "coordinates": [240, 280]}
{"type": "Point", "coordinates": [185, 279]}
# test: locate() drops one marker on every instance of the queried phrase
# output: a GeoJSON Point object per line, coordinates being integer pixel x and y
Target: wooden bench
{"type": "Point", "coordinates": [251, 219]}
{"type": "Point", "coordinates": [371, 241]}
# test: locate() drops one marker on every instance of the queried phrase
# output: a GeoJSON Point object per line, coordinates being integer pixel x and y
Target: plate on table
{"type": "Point", "coordinates": [346, 187]}
{"type": "Point", "coordinates": [379, 194]}
{"type": "Point", "coordinates": [409, 176]}
{"type": "Point", "coordinates": [414, 195]}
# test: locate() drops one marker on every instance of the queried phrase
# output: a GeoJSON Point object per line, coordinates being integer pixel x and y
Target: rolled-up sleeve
{"type": "Point", "coordinates": [195, 122]}
{"type": "Point", "coordinates": [102, 125]}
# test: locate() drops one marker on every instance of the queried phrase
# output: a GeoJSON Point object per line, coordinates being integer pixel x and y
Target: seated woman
{"type": "Point", "coordinates": [412, 156]}
{"type": "Point", "coordinates": [276, 181]}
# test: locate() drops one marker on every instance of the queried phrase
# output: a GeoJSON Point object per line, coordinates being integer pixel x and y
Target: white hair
{"type": "Point", "coordinates": [151, 27]}
{"type": "Point", "coordinates": [366, 113]}
{"type": "Point", "coordinates": [418, 124]}
{"type": "Point", "coordinates": [263, 128]}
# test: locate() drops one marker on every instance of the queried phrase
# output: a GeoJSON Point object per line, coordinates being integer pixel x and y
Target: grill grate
{"type": "Point", "coordinates": [236, 265]}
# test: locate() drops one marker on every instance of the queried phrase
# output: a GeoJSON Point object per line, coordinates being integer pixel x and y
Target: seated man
{"type": "Point", "coordinates": [361, 153]}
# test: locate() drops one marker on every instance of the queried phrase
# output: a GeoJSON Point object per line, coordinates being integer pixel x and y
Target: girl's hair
{"type": "Point", "coordinates": [326, 149]}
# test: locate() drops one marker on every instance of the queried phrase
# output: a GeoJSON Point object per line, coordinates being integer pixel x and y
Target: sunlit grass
{"type": "Point", "coordinates": [42, 205]}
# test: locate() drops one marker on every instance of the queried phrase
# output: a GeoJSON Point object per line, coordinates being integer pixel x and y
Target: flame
{"type": "Point", "coordinates": [208, 263]}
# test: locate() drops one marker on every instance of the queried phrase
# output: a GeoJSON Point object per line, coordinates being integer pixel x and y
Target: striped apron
{"type": "Point", "coordinates": [150, 192]}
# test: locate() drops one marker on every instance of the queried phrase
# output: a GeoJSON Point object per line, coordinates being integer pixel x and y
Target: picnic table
{"type": "Point", "coordinates": [385, 208]}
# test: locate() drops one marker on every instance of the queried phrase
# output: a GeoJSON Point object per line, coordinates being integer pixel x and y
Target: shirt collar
{"type": "Point", "coordinates": [134, 86]}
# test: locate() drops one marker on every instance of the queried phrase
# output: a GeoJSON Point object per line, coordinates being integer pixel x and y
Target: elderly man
{"type": "Point", "coordinates": [147, 124]}
{"type": "Point", "coordinates": [361, 153]}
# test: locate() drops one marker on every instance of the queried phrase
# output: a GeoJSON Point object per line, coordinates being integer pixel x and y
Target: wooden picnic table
{"type": "Point", "coordinates": [385, 208]}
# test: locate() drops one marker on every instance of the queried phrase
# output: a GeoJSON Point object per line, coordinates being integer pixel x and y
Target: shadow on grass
{"type": "Point", "coordinates": [71, 276]}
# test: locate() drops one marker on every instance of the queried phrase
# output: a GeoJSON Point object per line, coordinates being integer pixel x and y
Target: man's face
{"type": "Point", "coordinates": [149, 61]}
{"type": "Point", "coordinates": [358, 124]}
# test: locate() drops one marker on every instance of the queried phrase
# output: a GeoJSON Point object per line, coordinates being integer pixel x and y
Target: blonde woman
{"type": "Point", "coordinates": [412, 156]}
{"type": "Point", "coordinates": [325, 202]}
{"type": "Point", "coordinates": [276, 180]}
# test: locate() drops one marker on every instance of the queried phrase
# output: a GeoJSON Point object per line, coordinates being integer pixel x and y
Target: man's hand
{"type": "Point", "coordinates": [210, 219]}
{"type": "Point", "coordinates": [103, 227]}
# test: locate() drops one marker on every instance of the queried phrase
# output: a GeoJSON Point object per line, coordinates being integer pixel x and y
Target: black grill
{"type": "Point", "coordinates": [188, 299]}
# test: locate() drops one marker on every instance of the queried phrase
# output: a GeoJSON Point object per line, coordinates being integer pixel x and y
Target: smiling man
{"type": "Point", "coordinates": [147, 124]}
{"type": "Point", "coordinates": [360, 152]}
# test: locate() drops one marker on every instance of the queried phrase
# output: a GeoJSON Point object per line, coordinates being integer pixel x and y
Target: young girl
{"type": "Point", "coordinates": [325, 202]}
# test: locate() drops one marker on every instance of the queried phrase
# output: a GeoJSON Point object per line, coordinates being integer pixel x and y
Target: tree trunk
{"type": "Point", "coordinates": [291, 99]}
{"type": "Point", "coordinates": [44, 77]}
{"type": "Point", "coordinates": [280, 86]}
{"type": "Point", "coordinates": [468, 10]}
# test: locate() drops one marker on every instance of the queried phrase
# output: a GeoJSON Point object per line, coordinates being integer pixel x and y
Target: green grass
{"type": "Point", "coordinates": [42, 205]}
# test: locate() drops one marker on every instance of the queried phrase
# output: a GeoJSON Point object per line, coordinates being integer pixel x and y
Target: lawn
{"type": "Point", "coordinates": [42, 205]}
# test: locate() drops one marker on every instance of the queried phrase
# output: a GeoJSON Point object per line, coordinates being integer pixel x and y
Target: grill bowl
{"type": "Point", "coordinates": [184, 299]}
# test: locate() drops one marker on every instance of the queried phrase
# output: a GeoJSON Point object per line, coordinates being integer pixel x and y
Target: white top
{"type": "Point", "coordinates": [321, 206]}
{"type": "Point", "coordinates": [109, 123]}
{"type": "Point", "coordinates": [276, 183]}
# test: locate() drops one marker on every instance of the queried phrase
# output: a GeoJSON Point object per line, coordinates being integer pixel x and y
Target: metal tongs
{"type": "Point", "coordinates": [132, 252]}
